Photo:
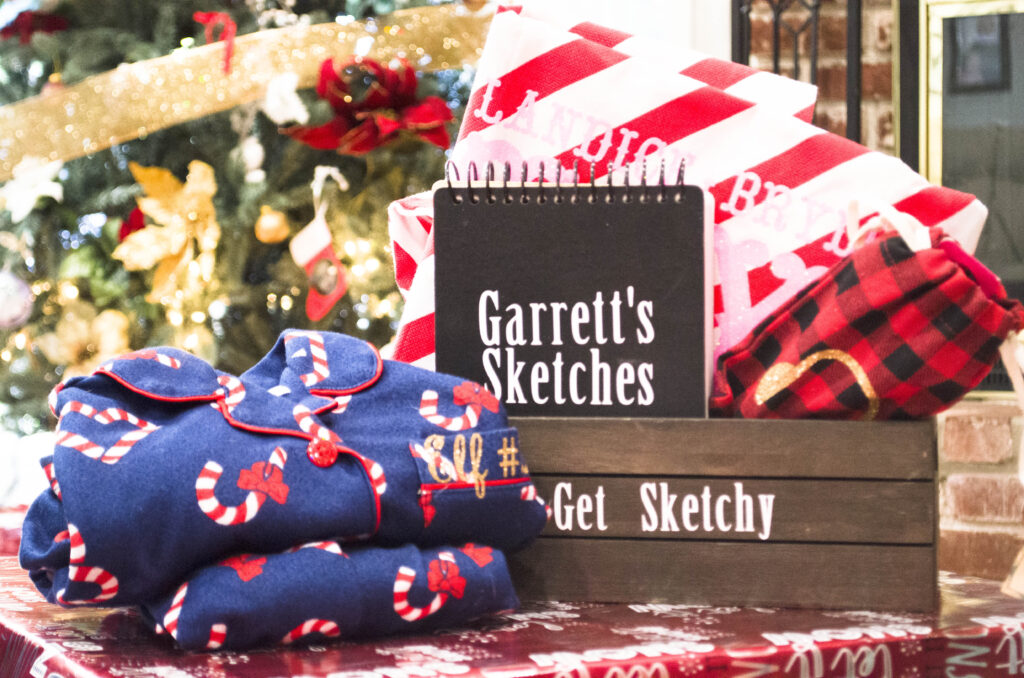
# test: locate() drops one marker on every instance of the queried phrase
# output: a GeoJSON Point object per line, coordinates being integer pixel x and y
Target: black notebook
{"type": "Point", "coordinates": [576, 300]}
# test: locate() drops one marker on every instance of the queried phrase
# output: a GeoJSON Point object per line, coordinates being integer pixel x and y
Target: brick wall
{"type": "Point", "coordinates": [876, 64]}
{"type": "Point", "coordinates": [981, 499]}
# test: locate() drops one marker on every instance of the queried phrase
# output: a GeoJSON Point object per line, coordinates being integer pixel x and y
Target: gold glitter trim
{"type": "Point", "coordinates": [782, 375]}
{"type": "Point", "coordinates": [134, 100]}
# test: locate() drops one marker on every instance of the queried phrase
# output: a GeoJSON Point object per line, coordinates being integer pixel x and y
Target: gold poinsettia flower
{"type": "Point", "coordinates": [85, 338]}
{"type": "Point", "coordinates": [182, 241]}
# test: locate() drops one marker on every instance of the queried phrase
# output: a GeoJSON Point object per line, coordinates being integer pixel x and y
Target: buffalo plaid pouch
{"type": "Point", "coordinates": [886, 333]}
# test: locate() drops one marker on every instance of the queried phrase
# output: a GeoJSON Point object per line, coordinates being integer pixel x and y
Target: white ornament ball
{"type": "Point", "coordinates": [15, 301]}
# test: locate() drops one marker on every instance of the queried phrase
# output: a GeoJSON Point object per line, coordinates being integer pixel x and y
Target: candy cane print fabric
{"type": "Point", "coordinates": [328, 546]}
{"type": "Point", "coordinates": [264, 479]}
{"type": "Point", "coordinates": [448, 572]}
{"type": "Point", "coordinates": [320, 368]}
{"type": "Point", "coordinates": [260, 474]}
{"type": "Point", "coordinates": [475, 397]}
{"type": "Point", "coordinates": [80, 572]}
{"type": "Point", "coordinates": [51, 477]}
{"type": "Point", "coordinates": [170, 619]}
{"type": "Point", "coordinates": [313, 593]}
{"type": "Point", "coordinates": [234, 391]}
{"type": "Point", "coordinates": [323, 627]}
{"type": "Point", "coordinates": [218, 632]}
{"type": "Point", "coordinates": [145, 354]}
{"type": "Point", "coordinates": [428, 410]}
{"type": "Point", "coordinates": [308, 423]}
{"type": "Point", "coordinates": [113, 453]}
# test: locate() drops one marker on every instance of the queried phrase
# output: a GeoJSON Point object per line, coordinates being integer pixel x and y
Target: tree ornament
{"type": "Point", "coordinates": [271, 226]}
{"type": "Point", "coordinates": [136, 221]}
{"type": "Point", "coordinates": [15, 301]}
{"type": "Point", "coordinates": [54, 84]}
{"type": "Point", "coordinates": [33, 179]}
{"type": "Point", "coordinates": [182, 242]}
{"type": "Point", "coordinates": [373, 104]}
{"type": "Point", "coordinates": [228, 28]}
{"type": "Point", "coordinates": [282, 103]}
{"type": "Point", "coordinates": [84, 339]}
{"type": "Point", "coordinates": [313, 250]}
{"type": "Point", "coordinates": [253, 155]}
{"type": "Point", "coordinates": [29, 22]}
{"type": "Point", "coordinates": [446, 33]}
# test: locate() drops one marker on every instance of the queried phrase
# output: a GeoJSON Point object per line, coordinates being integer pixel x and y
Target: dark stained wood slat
{"type": "Point", "coordinates": [878, 512]}
{"type": "Point", "coordinates": [729, 447]}
{"type": "Point", "coordinates": [728, 573]}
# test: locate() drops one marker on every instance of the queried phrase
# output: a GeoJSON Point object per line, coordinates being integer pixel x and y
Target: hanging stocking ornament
{"type": "Point", "coordinates": [313, 249]}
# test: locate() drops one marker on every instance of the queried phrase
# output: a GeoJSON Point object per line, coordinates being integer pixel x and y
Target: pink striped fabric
{"type": "Point", "coordinates": [552, 90]}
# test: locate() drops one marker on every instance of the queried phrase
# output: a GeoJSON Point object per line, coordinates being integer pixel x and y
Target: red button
{"type": "Point", "coordinates": [321, 452]}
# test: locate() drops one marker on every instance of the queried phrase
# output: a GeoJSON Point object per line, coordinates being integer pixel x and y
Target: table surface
{"type": "Point", "coordinates": [978, 631]}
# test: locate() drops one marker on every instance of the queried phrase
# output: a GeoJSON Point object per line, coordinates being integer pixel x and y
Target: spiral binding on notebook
{"type": "Point", "coordinates": [566, 185]}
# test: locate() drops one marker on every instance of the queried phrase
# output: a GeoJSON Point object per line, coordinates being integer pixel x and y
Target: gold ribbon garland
{"type": "Point", "coordinates": [136, 99]}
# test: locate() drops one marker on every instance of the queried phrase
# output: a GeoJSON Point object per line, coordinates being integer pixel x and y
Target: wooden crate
{"type": "Point", "coordinates": [853, 517]}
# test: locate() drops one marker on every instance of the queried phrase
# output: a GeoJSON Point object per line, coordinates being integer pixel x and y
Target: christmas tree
{"type": "Point", "coordinates": [199, 227]}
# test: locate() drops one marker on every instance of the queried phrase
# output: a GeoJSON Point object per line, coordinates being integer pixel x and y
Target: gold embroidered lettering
{"type": "Point", "coordinates": [445, 472]}
{"type": "Point", "coordinates": [434, 444]}
{"type": "Point", "coordinates": [509, 457]}
{"type": "Point", "coordinates": [476, 455]}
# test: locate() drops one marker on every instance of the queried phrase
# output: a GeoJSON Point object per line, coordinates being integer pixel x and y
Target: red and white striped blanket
{"type": "Point", "coordinates": [556, 92]}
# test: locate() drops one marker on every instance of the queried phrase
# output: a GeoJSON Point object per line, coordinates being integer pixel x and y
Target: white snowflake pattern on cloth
{"type": "Point", "coordinates": [231, 658]}
{"type": "Point", "coordinates": [690, 666]}
{"type": "Point", "coordinates": [553, 620]}
{"type": "Point", "coordinates": [653, 634]}
{"type": "Point", "coordinates": [480, 636]}
{"type": "Point", "coordinates": [877, 618]}
{"type": "Point", "coordinates": [699, 615]}
{"type": "Point", "coordinates": [81, 646]}
{"type": "Point", "coordinates": [911, 648]}
{"type": "Point", "coordinates": [156, 672]}
{"type": "Point", "coordinates": [423, 653]}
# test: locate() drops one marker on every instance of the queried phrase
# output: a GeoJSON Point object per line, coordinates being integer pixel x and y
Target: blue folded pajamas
{"type": "Point", "coordinates": [326, 590]}
{"type": "Point", "coordinates": [164, 465]}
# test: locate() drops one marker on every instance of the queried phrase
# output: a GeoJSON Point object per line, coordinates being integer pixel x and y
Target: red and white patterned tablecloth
{"type": "Point", "coordinates": [10, 529]}
{"type": "Point", "coordinates": [977, 632]}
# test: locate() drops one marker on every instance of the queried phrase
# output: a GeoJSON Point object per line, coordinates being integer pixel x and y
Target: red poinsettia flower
{"type": "Point", "coordinates": [136, 221]}
{"type": "Point", "coordinates": [471, 393]}
{"type": "Point", "coordinates": [373, 104]}
{"type": "Point", "coordinates": [443, 577]}
{"type": "Point", "coordinates": [29, 22]}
